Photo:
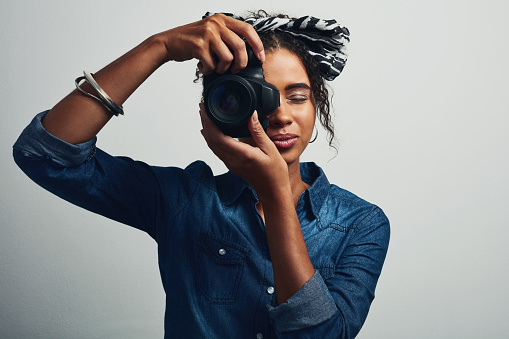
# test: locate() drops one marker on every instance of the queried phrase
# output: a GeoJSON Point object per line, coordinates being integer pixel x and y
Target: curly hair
{"type": "Point", "coordinates": [275, 40]}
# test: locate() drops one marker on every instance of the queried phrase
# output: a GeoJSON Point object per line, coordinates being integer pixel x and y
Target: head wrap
{"type": "Point", "coordinates": [326, 40]}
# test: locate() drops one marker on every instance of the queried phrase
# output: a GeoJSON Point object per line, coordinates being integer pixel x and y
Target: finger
{"type": "Point", "coordinates": [223, 54]}
{"type": "Point", "coordinates": [250, 34]}
{"type": "Point", "coordinates": [213, 135]}
{"type": "Point", "coordinates": [224, 50]}
{"type": "Point", "coordinates": [208, 126]}
{"type": "Point", "coordinates": [222, 45]}
{"type": "Point", "coordinates": [259, 136]}
{"type": "Point", "coordinates": [237, 48]}
{"type": "Point", "coordinates": [200, 67]}
{"type": "Point", "coordinates": [231, 151]}
{"type": "Point", "coordinates": [206, 65]}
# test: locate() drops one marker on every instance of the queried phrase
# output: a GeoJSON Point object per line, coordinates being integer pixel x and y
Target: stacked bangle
{"type": "Point", "coordinates": [102, 97]}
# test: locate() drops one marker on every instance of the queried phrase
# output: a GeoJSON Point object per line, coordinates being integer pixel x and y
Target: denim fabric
{"type": "Point", "coordinates": [214, 258]}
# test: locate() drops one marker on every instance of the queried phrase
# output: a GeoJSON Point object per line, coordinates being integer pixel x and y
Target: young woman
{"type": "Point", "coordinates": [268, 249]}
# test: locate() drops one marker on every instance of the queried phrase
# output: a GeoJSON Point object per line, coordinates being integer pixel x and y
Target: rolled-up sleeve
{"type": "Point", "coordinates": [36, 141]}
{"type": "Point", "coordinates": [311, 305]}
{"type": "Point", "coordinates": [118, 188]}
{"type": "Point", "coordinates": [337, 306]}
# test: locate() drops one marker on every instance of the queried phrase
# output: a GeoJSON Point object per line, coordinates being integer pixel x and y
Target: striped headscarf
{"type": "Point", "coordinates": [326, 40]}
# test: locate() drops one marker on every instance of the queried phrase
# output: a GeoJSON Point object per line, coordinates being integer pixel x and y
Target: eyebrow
{"type": "Point", "coordinates": [298, 85]}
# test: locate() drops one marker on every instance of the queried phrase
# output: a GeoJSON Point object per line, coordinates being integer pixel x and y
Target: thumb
{"type": "Point", "coordinates": [258, 133]}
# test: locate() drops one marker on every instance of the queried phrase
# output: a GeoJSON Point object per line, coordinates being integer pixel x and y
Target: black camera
{"type": "Point", "coordinates": [231, 99]}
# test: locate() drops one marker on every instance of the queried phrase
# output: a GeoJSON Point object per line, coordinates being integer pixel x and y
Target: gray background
{"type": "Point", "coordinates": [422, 113]}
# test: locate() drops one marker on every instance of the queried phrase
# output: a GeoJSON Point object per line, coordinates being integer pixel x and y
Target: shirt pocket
{"type": "Point", "coordinates": [220, 263]}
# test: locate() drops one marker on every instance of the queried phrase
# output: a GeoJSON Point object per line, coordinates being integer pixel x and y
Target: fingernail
{"type": "Point", "coordinates": [255, 117]}
{"type": "Point", "coordinates": [261, 55]}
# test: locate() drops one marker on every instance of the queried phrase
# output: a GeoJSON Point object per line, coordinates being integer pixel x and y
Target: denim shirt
{"type": "Point", "coordinates": [213, 253]}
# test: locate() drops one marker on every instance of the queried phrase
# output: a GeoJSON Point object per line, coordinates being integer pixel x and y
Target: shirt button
{"type": "Point", "coordinates": [270, 290]}
{"type": "Point", "coordinates": [259, 336]}
{"type": "Point", "coordinates": [222, 251]}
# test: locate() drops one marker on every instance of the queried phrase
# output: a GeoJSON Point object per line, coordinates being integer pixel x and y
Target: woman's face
{"type": "Point", "coordinates": [291, 125]}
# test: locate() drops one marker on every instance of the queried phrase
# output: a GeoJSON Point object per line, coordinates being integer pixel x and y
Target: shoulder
{"type": "Point", "coordinates": [200, 174]}
{"type": "Point", "coordinates": [197, 170]}
{"type": "Point", "coordinates": [339, 194]}
{"type": "Point", "coordinates": [345, 210]}
{"type": "Point", "coordinates": [333, 204]}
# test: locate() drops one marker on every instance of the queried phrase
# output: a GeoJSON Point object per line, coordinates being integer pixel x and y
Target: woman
{"type": "Point", "coordinates": [269, 249]}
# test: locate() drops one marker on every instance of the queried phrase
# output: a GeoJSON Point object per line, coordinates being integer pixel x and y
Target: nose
{"type": "Point", "coordinates": [281, 117]}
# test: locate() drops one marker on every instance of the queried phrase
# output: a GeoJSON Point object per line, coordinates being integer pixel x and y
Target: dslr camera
{"type": "Point", "coordinates": [231, 99]}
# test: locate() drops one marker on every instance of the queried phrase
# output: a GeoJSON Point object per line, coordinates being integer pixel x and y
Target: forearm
{"type": "Point", "coordinates": [78, 118]}
{"type": "Point", "coordinates": [290, 259]}
{"type": "Point", "coordinates": [267, 172]}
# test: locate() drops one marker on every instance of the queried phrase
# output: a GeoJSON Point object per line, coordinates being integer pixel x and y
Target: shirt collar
{"type": "Point", "coordinates": [314, 176]}
{"type": "Point", "coordinates": [231, 187]}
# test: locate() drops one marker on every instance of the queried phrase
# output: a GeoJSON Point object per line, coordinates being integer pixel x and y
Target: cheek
{"type": "Point", "coordinates": [308, 120]}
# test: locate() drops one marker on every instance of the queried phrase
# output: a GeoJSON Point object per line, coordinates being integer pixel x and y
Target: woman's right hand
{"type": "Point", "coordinates": [214, 42]}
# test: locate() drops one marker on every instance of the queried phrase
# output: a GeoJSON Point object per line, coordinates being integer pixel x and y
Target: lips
{"type": "Point", "coordinates": [284, 141]}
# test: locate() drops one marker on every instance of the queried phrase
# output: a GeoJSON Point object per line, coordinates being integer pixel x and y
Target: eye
{"type": "Point", "coordinates": [298, 98]}
{"type": "Point", "coordinates": [298, 93]}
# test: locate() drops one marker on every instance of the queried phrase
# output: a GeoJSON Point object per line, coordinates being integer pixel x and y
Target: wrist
{"type": "Point", "coordinates": [158, 45]}
{"type": "Point", "coordinates": [276, 196]}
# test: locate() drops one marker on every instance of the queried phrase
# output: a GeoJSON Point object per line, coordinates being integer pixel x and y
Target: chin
{"type": "Point", "coordinates": [290, 158]}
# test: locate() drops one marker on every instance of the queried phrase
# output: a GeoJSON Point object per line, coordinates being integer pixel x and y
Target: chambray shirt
{"type": "Point", "coordinates": [214, 258]}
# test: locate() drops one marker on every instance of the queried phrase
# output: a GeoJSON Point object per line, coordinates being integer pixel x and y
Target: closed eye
{"type": "Point", "coordinates": [298, 99]}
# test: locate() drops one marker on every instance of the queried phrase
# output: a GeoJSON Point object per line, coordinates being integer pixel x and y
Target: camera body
{"type": "Point", "coordinates": [231, 99]}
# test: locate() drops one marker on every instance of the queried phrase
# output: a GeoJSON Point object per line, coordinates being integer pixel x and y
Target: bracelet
{"type": "Point", "coordinates": [109, 104]}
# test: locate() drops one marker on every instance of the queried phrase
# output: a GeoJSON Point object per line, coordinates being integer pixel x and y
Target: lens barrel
{"type": "Point", "coordinates": [231, 100]}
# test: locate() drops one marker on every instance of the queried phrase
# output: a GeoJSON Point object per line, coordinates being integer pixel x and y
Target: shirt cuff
{"type": "Point", "coordinates": [310, 306]}
{"type": "Point", "coordinates": [36, 141]}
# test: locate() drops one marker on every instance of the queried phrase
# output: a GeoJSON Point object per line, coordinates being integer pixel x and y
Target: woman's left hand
{"type": "Point", "coordinates": [261, 166]}
{"type": "Point", "coordinates": [265, 170]}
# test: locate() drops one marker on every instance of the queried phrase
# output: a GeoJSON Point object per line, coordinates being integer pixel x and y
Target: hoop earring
{"type": "Point", "coordinates": [316, 136]}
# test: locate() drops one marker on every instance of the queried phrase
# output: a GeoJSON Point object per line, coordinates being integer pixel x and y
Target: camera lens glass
{"type": "Point", "coordinates": [231, 100]}
{"type": "Point", "coordinates": [227, 99]}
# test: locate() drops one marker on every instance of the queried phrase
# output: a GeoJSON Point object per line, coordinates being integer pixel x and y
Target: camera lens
{"type": "Point", "coordinates": [227, 99]}
{"type": "Point", "coordinates": [231, 100]}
